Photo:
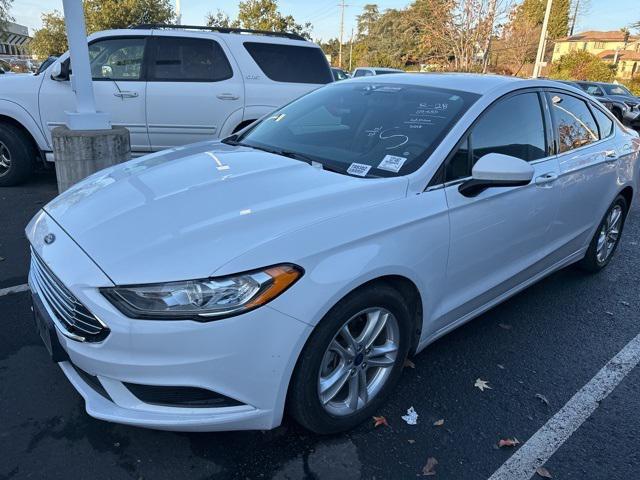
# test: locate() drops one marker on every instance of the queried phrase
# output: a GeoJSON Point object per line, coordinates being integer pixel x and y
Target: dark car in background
{"type": "Point", "coordinates": [339, 74]}
{"type": "Point", "coordinates": [612, 92]}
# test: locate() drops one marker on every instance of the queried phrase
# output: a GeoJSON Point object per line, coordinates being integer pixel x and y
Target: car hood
{"type": "Point", "coordinates": [185, 212]}
{"type": "Point", "coordinates": [624, 98]}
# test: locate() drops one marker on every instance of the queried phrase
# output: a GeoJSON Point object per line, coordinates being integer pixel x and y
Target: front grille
{"type": "Point", "coordinates": [70, 313]}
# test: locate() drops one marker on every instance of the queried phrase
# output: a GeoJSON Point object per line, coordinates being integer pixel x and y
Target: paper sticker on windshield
{"type": "Point", "coordinates": [359, 169]}
{"type": "Point", "coordinates": [391, 163]}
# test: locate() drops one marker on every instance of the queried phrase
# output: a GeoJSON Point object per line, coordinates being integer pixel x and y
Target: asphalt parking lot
{"type": "Point", "coordinates": [535, 351]}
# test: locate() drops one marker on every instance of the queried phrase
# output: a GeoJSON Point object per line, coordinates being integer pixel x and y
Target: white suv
{"type": "Point", "coordinates": [168, 85]}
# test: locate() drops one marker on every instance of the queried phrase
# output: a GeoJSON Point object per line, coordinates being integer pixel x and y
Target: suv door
{"type": "Point", "coordinates": [117, 67]}
{"type": "Point", "coordinates": [503, 236]}
{"type": "Point", "coordinates": [587, 157]}
{"type": "Point", "coordinates": [192, 91]}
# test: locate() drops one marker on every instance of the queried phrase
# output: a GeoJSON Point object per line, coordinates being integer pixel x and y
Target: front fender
{"type": "Point", "coordinates": [19, 114]}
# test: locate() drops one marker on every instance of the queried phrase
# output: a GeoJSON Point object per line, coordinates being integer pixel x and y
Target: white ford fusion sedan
{"type": "Point", "coordinates": [295, 265]}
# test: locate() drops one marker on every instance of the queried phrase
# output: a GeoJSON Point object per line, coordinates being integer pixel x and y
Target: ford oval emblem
{"type": "Point", "coordinates": [49, 238]}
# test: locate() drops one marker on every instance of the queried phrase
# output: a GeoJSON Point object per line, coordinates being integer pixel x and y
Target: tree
{"type": "Point", "coordinates": [220, 19]}
{"type": "Point", "coordinates": [581, 65]}
{"type": "Point", "coordinates": [519, 41]}
{"type": "Point", "coordinates": [260, 15]}
{"type": "Point", "coordinates": [5, 7]}
{"type": "Point", "coordinates": [558, 21]}
{"type": "Point", "coordinates": [51, 39]}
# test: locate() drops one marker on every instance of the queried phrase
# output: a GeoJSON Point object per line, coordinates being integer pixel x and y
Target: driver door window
{"type": "Point", "coordinates": [117, 59]}
{"type": "Point", "coordinates": [513, 126]}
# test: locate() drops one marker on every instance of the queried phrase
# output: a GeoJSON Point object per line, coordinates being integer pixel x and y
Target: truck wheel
{"type": "Point", "coordinates": [16, 156]}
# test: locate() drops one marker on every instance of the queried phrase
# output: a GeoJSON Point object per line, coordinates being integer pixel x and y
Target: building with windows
{"type": "Point", "coordinates": [14, 39]}
{"type": "Point", "coordinates": [616, 47]}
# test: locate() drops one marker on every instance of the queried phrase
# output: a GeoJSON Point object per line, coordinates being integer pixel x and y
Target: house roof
{"type": "Point", "coordinates": [622, 55]}
{"type": "Point", "coordinates": [594, 35]}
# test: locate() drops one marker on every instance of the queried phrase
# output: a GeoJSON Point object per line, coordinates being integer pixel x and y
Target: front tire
{"type": "Point", "coordinates": [16, 156]}
{"type": "Point", "coordinates": [607, 237]}
{"type": "Point", "coordinates": [352, 361]}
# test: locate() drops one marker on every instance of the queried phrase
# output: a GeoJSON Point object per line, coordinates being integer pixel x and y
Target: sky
{"type": "Point", "coordinates": [325, 14]}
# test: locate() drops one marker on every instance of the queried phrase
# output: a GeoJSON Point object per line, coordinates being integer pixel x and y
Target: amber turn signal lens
{"type": "Point", "coordinates": [283, 277]}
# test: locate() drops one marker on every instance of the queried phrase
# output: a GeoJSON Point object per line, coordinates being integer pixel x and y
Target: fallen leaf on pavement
{"type": "Point", "coordinates": [438, 423]}
{"type": "Point", "coordinates": [500, 366]}
{"type": "Point", "coordinates": [482, 384]}
{"type": "Point", "coordinates": [508, 442]}
{"type": "Point", "coordinates": [1, 259]}
{"type": "Point", "coordinates": [505, 326]}
{"type": "Point", "coordinates": [543, 472]}
{"type": "Point", "coordinates": [626, 304]}
{"type": "Point", "coordinates": [411, 417]}
{"type": "Point", "coordinates": [409, 364]}
{"type": "Point", "coordinates": [429, 469]}
{"type": "Point", "coordinates": [542, 398]}
{"type": "Point", "coordinates": [609, 313]}
{"type": "Point", "coordinates": [411, 441]}
{"type": "Point", "coordinates": [377, 421]}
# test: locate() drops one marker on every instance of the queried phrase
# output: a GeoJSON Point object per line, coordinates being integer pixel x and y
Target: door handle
{"type": "Point", "coordinates": [227, 96]}
{"type": "Point", "coordinates": [610, 156]}
{"type": "Point", "coordinates": [124, 94]}
{"type": "Point", "coordinates": [546, 178]}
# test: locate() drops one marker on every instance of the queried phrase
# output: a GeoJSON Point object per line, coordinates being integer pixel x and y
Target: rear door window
{"type": "Point", "coordinates": [574, 124]}
{"type": "Point", "coordinates": [179, 59]}
{"type": "Point", "coordinates": [605, 124]}
{"type": "Point", "coordinates": [290, 63]}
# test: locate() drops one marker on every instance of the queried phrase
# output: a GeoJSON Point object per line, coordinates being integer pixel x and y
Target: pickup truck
{"type": "Point", "coordinates": [168, 85]}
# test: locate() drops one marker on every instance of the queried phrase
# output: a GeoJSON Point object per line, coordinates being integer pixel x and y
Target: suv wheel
{"type": "Point", "coordinates": [352, 361]}
{"type": "Point", "coordinates": [16, 156]}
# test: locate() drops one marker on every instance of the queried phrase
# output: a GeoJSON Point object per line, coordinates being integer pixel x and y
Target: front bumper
{"type": "Point", "coordinates": [248, 358]}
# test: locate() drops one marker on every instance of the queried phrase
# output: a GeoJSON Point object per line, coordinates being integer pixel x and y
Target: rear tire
{"type": "Point", "coordinates": [17, 156]}
{"type": "Point", "coordinates": [318, 364]}
{"type": "Point", "coordinates": [607, 237]}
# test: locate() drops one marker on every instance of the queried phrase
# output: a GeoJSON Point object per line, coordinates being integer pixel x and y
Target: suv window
{"type": "Point", "coordinates": [592, 89]}
{"type": "Point", "coordinates": [604, 122]}
{"type": "Point", "coordinates": [575, 126]}
{"type": "Point", "coordinates": [363, 73]}
{"type": "Point", "coordinates": [513, 126]}
{"type": "Point", "coordinates": [290, 63]}
{"type": "Point", "coordinates": [178, 59]}
{"type": "Point", "coordinates": [117, 58]}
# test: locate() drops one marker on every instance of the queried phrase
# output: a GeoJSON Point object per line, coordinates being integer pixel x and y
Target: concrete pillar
{"type": "Point", "coordinates": [79, 153]}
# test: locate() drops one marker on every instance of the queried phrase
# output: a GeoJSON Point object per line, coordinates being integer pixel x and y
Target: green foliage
{"type": "Point", "coordinates": [260, 15]}
{"type": "Point", "coordinates": [5, 7]}
{"type": "Point", "coordinates": [580, 65]}
{"type": "Point", "coordinates": [51, 39]}
{"type": "Point", "coordinates": [533, 11]}
{"type": "Point", "coordinates": [633, 85]}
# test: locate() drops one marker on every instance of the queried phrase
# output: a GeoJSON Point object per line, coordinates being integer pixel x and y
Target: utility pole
{"type": "Point", "coordinates": [543, 37]}
{"type": "Point", "coordinates": [487, 45]}
{"type": "Point", "coordinates": [575, 15]}
{"type": "Point", "coordinates": [178, 13]}
{"type": "Point", "coordinates": [342, 7]}
{"type": "Point", "coordinates": [351, 51]}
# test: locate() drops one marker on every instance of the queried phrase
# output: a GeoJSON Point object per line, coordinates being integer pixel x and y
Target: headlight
{"type": "Point", "coordinates": [204, 300]}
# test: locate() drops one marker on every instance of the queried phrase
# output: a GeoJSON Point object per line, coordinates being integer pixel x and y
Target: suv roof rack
{"type": "Point", "coordinates": [160, 26]}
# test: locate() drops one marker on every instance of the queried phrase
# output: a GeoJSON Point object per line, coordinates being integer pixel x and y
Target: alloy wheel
{"type": "Point", "coordinates": [609, 234]}
{"type": "Point", "coordinates": [358, 361]}
{"type": "Point", "coordinates": [5, 159]}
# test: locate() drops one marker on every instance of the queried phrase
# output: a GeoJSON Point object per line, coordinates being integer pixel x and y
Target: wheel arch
{"type": "Point", "coordinates": [627, 193]}
{"type": "Point", "coordinates": [13, 114]}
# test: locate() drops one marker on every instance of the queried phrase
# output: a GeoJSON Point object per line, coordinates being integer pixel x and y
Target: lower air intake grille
{"type": "Point", "coordinates": [185, 397]}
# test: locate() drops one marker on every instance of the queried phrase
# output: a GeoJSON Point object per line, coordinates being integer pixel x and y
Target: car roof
{"type": "Point", "coordinates": [467, 82]}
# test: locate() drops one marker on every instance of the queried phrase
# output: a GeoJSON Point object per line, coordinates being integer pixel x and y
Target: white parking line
{"type": "Point", "coordinates": [544, 443]}
{"type": "Point", "coordinates": [18, 288]}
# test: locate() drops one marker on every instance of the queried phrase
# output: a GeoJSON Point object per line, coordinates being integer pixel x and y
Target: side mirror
{"type": "Point", "coordinates": [497, 170]}
{"type": "Point", "coordinates": [60, 71]}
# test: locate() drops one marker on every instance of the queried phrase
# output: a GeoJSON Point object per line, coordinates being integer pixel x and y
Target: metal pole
{"type": "Point", "coordinates": [575, 16]}
{"type": "Point", "coordinates": [342, 5]}
{"type": "Point", "coordinates": [351, 50]}
{"type": "Point", "coordinates": [541, 43]}
{"type": "Point", "coordinates": [85, 117]}
{"type": "Point", "coordinates": [178, 13]}
{"type": "Point", "coordinates": [492, 16]}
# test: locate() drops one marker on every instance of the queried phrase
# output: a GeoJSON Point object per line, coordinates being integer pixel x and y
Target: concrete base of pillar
{"type": "Point", "coordinates": [79, 153]}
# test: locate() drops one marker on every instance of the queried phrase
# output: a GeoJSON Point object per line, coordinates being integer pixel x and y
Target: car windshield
{"type": "Point", "coordinates": [616, 90]}
{"type": "Point", "coordinates": [362, 129]}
